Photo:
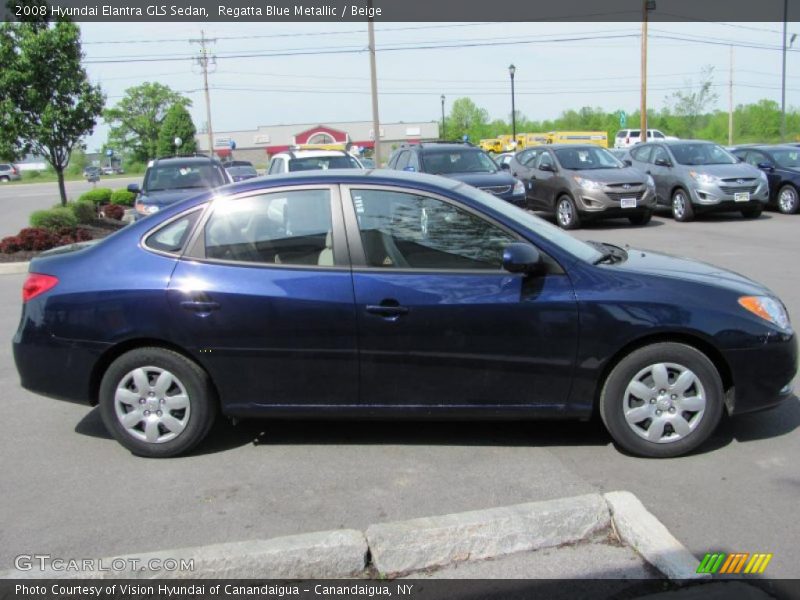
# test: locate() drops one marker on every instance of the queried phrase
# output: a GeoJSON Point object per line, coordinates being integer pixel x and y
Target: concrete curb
{"type": "Point", "coordinates": [406, 546]}
{"type": "Point", "coordinates": [14, 268]}
{"type": "Point", "coordinates": [641, 530]}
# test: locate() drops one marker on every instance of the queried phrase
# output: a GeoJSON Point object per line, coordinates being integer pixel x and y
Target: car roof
{"type": "Point", "coordinates": [442, 146]}
{"type": "Point", "coordinates": [573, 146]}
{"type": "Point", "coordinates": [184, 160]}
{"type": "Point", "coordinates": [314, 153]}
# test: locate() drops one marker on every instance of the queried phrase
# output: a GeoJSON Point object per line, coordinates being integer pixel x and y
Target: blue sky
{"type": "Point", "coordinates": [551, 75]}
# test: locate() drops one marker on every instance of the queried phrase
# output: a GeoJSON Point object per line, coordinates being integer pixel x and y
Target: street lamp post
{"type": "Point", "coordinates": [444, 135]}
{"type": "Point", "coordinates": [511, 70]}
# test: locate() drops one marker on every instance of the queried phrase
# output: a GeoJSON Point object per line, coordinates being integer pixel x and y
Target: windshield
{"type": "Point", "coordinates": [537, 225]}
{"type": "Point", "coordinates": [788, 159]}
{"type": "Point", "coordinates": [458, 161]}
{"type": "Point", "coordinates": [702, 154]}
{"type": "Point", "coordinates": [584, 159]}
{"type": "Point", "coordinates": [242, 171]}
{"type": "Point", "coordinates": [313, 163]}
{"type": "Point", "coordinates": [178, 177]}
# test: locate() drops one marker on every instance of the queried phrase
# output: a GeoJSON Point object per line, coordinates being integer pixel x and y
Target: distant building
{"type": "Point", "coordinates": [32, 162]}
{"type": "Point", "coordinates": [260, 144]}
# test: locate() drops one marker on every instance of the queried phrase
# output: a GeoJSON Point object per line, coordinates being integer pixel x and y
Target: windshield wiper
{"type": "Point", "coordinates": [608, 253]}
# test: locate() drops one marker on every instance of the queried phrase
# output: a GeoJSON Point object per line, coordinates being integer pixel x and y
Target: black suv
{"type": "Point", "coordinates": [168, 180]}
{"type": "Point", "coordinates": [461, 161]}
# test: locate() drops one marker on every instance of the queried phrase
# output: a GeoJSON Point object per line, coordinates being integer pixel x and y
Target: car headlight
{"type": "Point", "coordinates": [769, 309]}
{"type": "Point", "coordinates": [651, 183]}
{"type": "Point", "coordinates": [519, 188]}
{"type": "Point", "coordinates": [702, 177]}
{"type": "Point", "coordinates": [588, 184]}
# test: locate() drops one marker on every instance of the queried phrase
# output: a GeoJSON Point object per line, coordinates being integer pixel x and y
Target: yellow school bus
{"type": "Point", "coordinates": [507, 142]}
{"type": "Point", "coordinates": [491, 145]}
{"type": "Point", "coordinates": [598, 138]}
{"type": "Point", "coordinates": [526, 140]}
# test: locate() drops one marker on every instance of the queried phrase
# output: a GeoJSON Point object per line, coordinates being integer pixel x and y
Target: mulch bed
{"type": "Point", "coordinates": [99, 228]}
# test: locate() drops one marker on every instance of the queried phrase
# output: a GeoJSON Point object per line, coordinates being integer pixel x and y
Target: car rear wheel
{"type": "Point", "coordinates": [641, 218]}
{"type": "Point", "coordinates": [788, 200]}
{"type": "Point", "coordinates": [662, 400]}
{"type": "Point", "coordinates": [567, 213]}
{"type": "Point", "coordinates": [156, 402]}
{"type": "Point", "coordinates": [5, 179]}
{"type": "Point", "coordinates": [682, 208]}
{"type": "Point", "coordinates": [752, 213]}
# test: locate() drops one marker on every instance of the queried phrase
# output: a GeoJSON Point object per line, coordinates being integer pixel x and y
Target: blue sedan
{"type": "Point", "coordinates": [355, 294]}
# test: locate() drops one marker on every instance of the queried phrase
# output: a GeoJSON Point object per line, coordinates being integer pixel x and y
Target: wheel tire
{"type": "Point", "coordinates": [567, 215]}
{"type": "Point", "coordinates": [189, 380]}
{"type": "Point", "coordinates": [5, 179]}
{"type": "Point", "coordinates": [682, 208]}
{"type": "Point", "coordinates": [788, 199]}
{"type": "Point", "coordinates": [752, 213]}
{"type": "Point", "coordinates": [615, 399]}
{"type": "Point", "coordinates": [641, 218]}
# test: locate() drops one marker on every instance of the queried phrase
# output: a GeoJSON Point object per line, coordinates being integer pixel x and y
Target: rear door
{"type": "Point", "coordinates": [441, 324]}
{"type": "Point", "coordinates": [264, 299]}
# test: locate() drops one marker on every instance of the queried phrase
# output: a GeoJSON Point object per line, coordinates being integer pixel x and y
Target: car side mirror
{"type": "Point", "coordinates": [505, 166]}
{"type": "Point", "coordinates": [134, 188]}
{"type": "Point", "coordinates": [547, 167]}
{"type": "Point", "coordinates": [662, 162]}
{"type": "Point", "coordinates": [410, 169]}
{"type": "Point", "coordinates": [521, 258]}
{"type": "Point", "coordinates": [628, 162]}
{"type": "Point", "coordinates": [766, 166]}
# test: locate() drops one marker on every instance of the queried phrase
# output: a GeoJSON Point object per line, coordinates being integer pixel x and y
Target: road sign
{"type": "Point", "coordinates": [109, 152]}
{"type": "Point", "coordinates": [623, 119]}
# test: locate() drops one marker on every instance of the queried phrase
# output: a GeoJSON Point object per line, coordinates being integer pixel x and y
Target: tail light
{"type": "Point", "coordinates": [37, 284]}
{"type": "Point", "coordinates": [14, 170]}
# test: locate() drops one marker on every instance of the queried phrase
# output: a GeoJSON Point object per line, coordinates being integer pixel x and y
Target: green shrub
{"type": "Point", "coordinates": [31, 175]}
{"type": "Point", "coordinates": [54, 218]}
{"type": "Point", "coordinates": [85, 212]}
{"type": "Point", "coordinates": [123, 197]}
{"type": "Point", "coordinates": [96, 196]}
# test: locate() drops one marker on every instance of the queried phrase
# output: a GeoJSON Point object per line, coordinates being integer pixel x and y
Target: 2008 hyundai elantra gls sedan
{"type": "Point", "coordinates": [384, 294]}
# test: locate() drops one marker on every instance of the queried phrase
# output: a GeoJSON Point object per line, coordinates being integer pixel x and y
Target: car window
{"type": "Point", "coordinates": [183, 176]}
{"type": "Point", "coordinates": [405, 230]}
{"type": "Point", "coordinates": [524, 156]}
{"type": "Point", "coordinates": [754, 158]}
{"type": "Point", "coordinates": [173, 236]}
{"type": "Point", "coordinates": [642, 153]}
{"type": "Point", "coordinates": [622, 133]}
{"type": "Point", "coordinates": [530, 159]}
{"type": "Point", "coordinates": [788, 158]}
{"type": "Point", "coordinates": [544, 159]}
{"type": "Point", "coordinates": [282, 228]}
{"type": "Point", "coordinates": [584, 159]}
{"type": "Point", "coordinates": [313, 163]}
{"type": "Point", "coordinates": [658, 135]}
{"type": "Point", "coordinates": [402, 160]}
{"type": "Point", "coordinates": [702, 154]}
{"type": "Point", "coordinates": [444, 162]}
{"type": "Point", "coordinates": [658, 153]}
{"type": "Point", "coordinates": [413, 160]}
{"type": "Point", "coordinates": [634, 133]}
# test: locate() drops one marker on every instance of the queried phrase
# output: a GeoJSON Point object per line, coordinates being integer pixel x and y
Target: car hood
{"type": "Point", "coordinates": [646, 262]}
{"type": "Point", "coordinates": [484, 179]}
{"type": "Point", "coordinates": [726, 171]}
{"type": "Point", "coordinates": [166, 197]}
{"type": "Point", "coordinates": [626, 175]}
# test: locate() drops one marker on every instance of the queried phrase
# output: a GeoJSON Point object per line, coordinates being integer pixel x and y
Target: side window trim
{"type": "Point", "coordinates": [196, 250]}
{"type": "Point", "coordinates": [187, 242]}
{"type": "Point", "coordinates": [358, 256]}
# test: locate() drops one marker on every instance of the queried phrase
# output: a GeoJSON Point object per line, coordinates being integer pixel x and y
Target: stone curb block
{"type": "Point", "coordinates": [322, 555]}
{"type": "Point", "coordinates": [13, 268]}
{"type": "Point", "coordinates": [405, 546]}
{"type": "Point", "coordinates": [638, 528]}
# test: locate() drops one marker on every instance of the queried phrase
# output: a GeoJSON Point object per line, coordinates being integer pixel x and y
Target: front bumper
{"type": "Point", "coordinates": [712, 196]}
{"type": "Point", "coordinates": [599, 201]}
{"type": "Point", "coordinates": [762, 375]}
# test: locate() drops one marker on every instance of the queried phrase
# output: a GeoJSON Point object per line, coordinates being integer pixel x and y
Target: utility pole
{"type": "Point", "coordinates": [373, 75]}
{"type": "Point", "coordinates": [730, 103]}
{"type": "Point", "coordinates": [204, 60]}
{"type": "Point", "coordinates": [783, 73]}
{"type": "Point", "coordinates": [647, 5]}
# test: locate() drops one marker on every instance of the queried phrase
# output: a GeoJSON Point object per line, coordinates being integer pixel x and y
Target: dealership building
{"type": "Point", "coordinates": [258, 145]}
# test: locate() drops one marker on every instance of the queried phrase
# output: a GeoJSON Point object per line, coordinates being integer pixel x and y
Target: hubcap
{"type": "Point", "coordinates": [787, 200]}
{"type": "Point", "coordinates": [664, 403]}
{"type": "Point", "coordinates": [565, 212]}
{"type": "Point", "coordinates": [152, 405]}
{"type": "Point", "coordinates": [678, 205]}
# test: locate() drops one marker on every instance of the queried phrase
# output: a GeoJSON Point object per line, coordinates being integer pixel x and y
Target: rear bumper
{"type": "Point", "coordinates": [762, 375]}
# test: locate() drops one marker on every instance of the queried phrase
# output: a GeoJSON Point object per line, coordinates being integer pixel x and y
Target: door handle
{"type": "Point", "coordinates": [389, 309]}
{"type": "Point", "coordinates": [200, 306]}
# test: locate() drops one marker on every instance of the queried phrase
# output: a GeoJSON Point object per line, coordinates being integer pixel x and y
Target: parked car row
{"type": "Point", "coordinates": [9, 172]}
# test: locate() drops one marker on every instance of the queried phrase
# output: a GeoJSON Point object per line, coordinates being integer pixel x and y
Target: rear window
{"type": "Point", "coordinates": [621, 134]}
{"type": "Point", "coordinates": [314, 163]}
{"type": "Point", "coordinates": [182, 176]}
{"type": "Point", "coordinates": [173, 236]}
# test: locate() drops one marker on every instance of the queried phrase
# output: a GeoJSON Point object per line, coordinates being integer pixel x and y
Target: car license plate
{"type": "Point", "coordinates": [741, 197]}
{"type": "Point", "coordinates": [627, 203]}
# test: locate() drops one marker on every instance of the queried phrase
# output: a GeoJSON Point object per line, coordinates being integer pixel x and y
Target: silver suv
{"type": "Point", "coordinates": [578, 182]}
{"type": "Point", "coordinates": [695, 176]}
{"type": "Point", "coordinates": [8, 172]}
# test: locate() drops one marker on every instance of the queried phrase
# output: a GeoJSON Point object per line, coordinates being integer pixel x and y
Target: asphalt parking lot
{"type": "Point", "coordinates": [71, 491]}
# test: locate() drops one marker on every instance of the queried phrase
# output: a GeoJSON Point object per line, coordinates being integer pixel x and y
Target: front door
{"type": "Point", "coordinates": [441, 325]}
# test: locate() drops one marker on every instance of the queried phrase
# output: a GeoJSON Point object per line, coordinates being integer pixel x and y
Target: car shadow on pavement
{"type": "Point", "coordinates": [621, 223]}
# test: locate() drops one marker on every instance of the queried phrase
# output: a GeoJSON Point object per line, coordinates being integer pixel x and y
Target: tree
{"type": "Point", "coordinates": [45, 93]}
{"type": "Point", "coordinates": [177, 123]}
{"type": "Point", "coordinates": [692, 104]}
{"type": "Point", "coordinates": [136, 120]}
{"type": "Point", "coordinates": [466, 119]}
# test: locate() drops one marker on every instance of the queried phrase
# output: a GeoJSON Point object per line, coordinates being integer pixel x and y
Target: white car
{"type": "Point", "coordinates": [311, 160]}
{"type": "Point", "coordinates": [630, 137]}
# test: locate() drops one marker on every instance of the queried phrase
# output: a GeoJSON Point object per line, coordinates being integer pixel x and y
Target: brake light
{"type": "Point", "coordinates": [14, 170]}
{"type": "Point", "coordinates": [37, 284]}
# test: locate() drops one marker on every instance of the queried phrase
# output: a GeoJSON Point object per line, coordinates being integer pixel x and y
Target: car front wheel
{"type": "Point", "coordinates": [788, 200]}
{"type": "Point", "coordinates": [682, 208]}
{"type": "Point", "coordinates": [662, 400]}
{"type": "Point", "coordinates": [567, 213]}
{"type": "Point", "coordinates": [156, 402]}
